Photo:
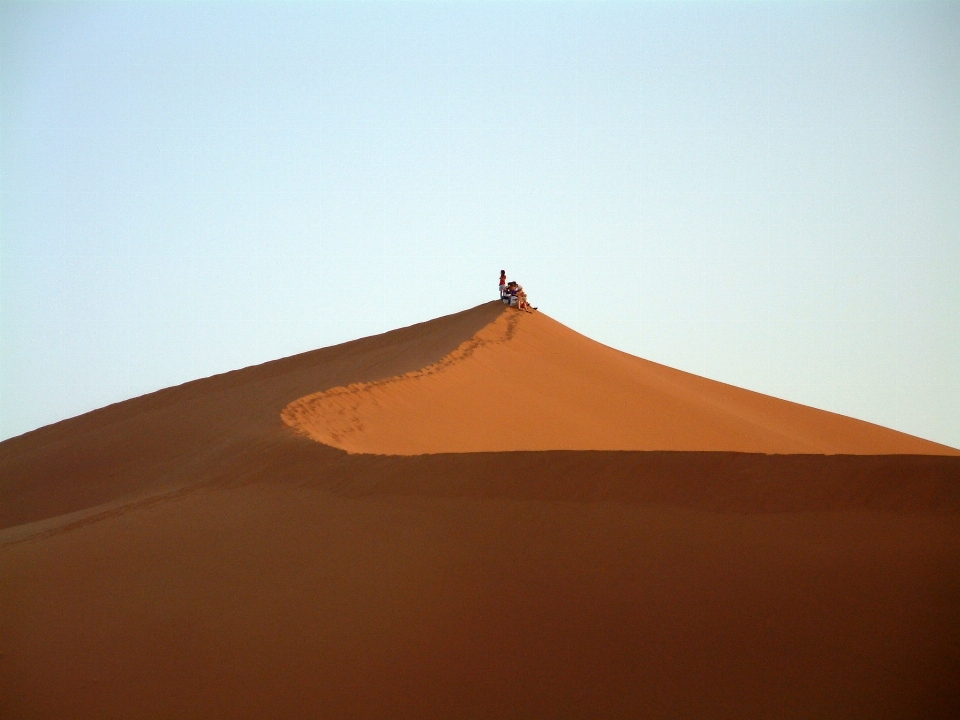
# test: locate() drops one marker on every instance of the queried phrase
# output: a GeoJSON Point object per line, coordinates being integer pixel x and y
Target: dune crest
{"type": "Point", "coordinates": [527, 382]}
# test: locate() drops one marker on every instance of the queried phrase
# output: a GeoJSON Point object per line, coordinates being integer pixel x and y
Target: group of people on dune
{"type": "Point", "coordinates": [512, 294]}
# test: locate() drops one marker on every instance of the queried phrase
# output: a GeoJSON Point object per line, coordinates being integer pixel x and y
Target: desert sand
{"type": "Point", "coordinates": [526, 382]}
{"type": "Point", "coordinates": [695, 550]}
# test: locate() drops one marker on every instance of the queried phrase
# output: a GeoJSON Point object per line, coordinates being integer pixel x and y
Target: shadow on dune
{"type": "Point", "coordinates": [226, 430]}
{"type": "Point", "coordinates": [716, 481]}
{"type": "Point", "coordinates": [187, 554]}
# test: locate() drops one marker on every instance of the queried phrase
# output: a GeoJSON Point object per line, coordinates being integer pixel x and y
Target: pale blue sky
{"type": "Point", "coordinates": [764, 194]}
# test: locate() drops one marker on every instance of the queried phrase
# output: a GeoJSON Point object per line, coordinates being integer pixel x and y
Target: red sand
{"type": "Point", "coordinates": [526, 382]}
{"type": "Point", "coordinates": [188, 554]}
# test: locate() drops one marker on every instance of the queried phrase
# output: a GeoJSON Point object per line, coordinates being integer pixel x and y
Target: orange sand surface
{"type": "Point", "coordinates": [188, 554]}
{"type": "Point", "coordinates": [526, 382]}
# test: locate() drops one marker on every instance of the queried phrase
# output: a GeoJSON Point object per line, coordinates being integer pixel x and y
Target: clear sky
{"type": "Point", "coordinates": [767, 194]}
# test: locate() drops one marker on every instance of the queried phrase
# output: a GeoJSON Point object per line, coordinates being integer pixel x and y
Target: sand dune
{"type": "Point", "coordinates": [189, 554]}
{"type": "Point", "coordinates": [526, 382]}
{"type": "Point", "coordinates": [202, 429]}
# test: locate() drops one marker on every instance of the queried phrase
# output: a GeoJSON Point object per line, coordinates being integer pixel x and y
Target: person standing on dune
{"type": "Point", "coordinates": [503, 283]}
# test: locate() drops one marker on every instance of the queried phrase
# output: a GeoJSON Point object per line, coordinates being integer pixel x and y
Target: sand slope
{"type": "Point", "coordinates": [188, 554]}
{"type": "Point", "coordinates": [526, 382]}
{"type": "Point", "coordinates": [202, 429]}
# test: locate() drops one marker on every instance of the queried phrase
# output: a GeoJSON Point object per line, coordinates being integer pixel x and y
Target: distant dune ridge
{"type": "Point", "coordinates": [485, 515]}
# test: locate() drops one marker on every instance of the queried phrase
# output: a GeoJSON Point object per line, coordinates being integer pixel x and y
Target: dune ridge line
{"type": "Point", "coordinates": [300, 413]}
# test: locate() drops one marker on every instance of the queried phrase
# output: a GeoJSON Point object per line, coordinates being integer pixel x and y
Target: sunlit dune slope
{"type": "Point", "coordinates": [526, 382]}
{"type": "Point", "coordinates": [188, 554]}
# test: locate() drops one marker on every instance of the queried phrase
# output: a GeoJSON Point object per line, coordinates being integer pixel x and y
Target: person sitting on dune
{"type": "Point", "coordinates": [522, 302]}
